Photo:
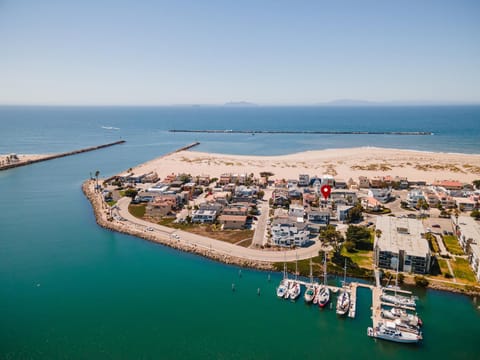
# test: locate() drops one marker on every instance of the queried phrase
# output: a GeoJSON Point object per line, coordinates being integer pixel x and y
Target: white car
{"type": "Point", "coordinates": [149, 228]}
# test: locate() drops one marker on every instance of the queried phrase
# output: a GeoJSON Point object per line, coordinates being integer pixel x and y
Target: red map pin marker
{"type": "Point", "coordinates": [326, 190]}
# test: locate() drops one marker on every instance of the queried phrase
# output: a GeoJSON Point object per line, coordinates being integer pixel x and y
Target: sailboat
{"type": "Point", "coordinates": [283, 287]}
{"type": "Point", "coordinates": [343, 299]}
{"type": "Point", "coordinates": [324, 292]}
{"type": "Point", "coordinates": [294, 289]}
{"type": "Point", "coordinates": [310, 292]}
{"type": "Point", "coordinates": [398, 300]}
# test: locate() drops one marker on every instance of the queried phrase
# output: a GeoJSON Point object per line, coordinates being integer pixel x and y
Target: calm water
{"type": "Point", "coordinates": [69, 289]}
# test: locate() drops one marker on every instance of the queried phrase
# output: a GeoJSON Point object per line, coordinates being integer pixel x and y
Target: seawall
{"type": "Point", "coordinates": [56, 156]}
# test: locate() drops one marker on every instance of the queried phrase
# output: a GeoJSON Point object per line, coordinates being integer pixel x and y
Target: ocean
{"type": "Point", "coordinates": [70, 289]}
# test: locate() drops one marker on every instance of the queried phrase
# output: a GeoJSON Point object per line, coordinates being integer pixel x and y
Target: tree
{"type": "Point", "coordinates": [350, 246]}
{"type": "Point", "coordinates": [131, 193]}
{"type": "Point", "coordinates": [360, 236]}
{"type": "Point", "coordinates": [97, 173]}
{"type": "Point", "coordinates": [355, 214]}
{"type": "Point", "coordinates": [331, 236]}
{"type": "Point", "coordinates": [421, 281]}
{"type": "Point", "coordinates": [476, 183]}
{"type": "Point", "coordinates": [422, 205]}
{"type": "Point", "coordinates": [475, 214]}
{"type": "Point", "coordinates": [260, 194]}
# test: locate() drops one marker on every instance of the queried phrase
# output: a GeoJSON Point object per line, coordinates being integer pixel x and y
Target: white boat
{"type": "Point", "coordinates": [398, 300]}
{"type": "Point", "coordinates": [403, 316]}
{"type": "Point", "coordinates": [282, 289]}
{"type": "Point", "coordinates": [324, 292]}
{"type": "Point", "coordinates": [343, 298]}
{"type": "Point", "coordinates": [315, 297]}
{"type": "Point", "coordinates": [310, 291]}
{"type": "Point", "coordinates": [343, 302]}
{"type": "Point", "coordinates": [390, 332]}
{"type": "Point", "coordinates": [323, 296]}
{"type": "Point", "coordinates": [294, 291]}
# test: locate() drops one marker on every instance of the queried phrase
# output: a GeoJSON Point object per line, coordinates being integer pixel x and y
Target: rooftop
{"type": "Point", "coordinates": [401, 234]}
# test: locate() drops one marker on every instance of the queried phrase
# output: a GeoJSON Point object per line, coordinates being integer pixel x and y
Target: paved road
{"type": "Point", "coordinates": [166, 233]}
{"type": "Point", "coordinates": [259, 236]}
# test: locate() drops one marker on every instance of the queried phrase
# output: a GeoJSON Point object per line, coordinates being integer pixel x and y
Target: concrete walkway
{"type": "Point", "coordinates": [166, 233]}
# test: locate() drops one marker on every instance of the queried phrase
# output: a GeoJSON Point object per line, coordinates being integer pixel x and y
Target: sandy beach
{"type": "Point", "coordinates": [341, 163]}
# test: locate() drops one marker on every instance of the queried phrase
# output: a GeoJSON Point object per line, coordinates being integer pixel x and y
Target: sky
{"type": "Point", "coordinates": [114, 52]}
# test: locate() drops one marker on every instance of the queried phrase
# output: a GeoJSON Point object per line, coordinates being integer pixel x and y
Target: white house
{"type": "Point", "coordinates": [381, 194]}
{"type": "Point", "coordinates": [296, 211]}
{"type": "Point", "coordinates": [204, 216]}
{"type": "Point", "coordinates": [414, 196]}
{"type": "Point", "coordinates": [286, 232]}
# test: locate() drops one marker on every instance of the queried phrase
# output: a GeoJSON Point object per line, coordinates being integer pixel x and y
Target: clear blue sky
{"type": "Point", "coordinates": [211, 52]}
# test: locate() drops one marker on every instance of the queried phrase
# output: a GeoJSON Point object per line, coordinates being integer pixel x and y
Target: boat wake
{"type": "Point", "coordinates": [110, 128]}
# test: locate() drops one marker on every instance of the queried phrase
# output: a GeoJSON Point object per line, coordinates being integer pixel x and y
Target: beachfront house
{"type": "Point", "coordinates": [232, 222]}
{"type": "Point", "coordinates": [287, 232]}
{"type": "Point", "coordinates": [303, 180]}
{"type": "Point", "coordinates": [204, 216]}
{"type": "Point", "coordinates": [363, 182]}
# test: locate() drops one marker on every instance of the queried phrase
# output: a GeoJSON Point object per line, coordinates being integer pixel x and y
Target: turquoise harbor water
{"type": "Point", "coordinates": [70, 289]}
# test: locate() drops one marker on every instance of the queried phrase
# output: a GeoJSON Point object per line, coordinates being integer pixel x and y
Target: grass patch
{"type": "Point", "coordinates": [212, 231]}
{"type": "Point", "coordinates": [137, 210]}
{"type": "Point", "coordinates": [363, 258]}
{"type": "Point", "coordinates": [432, 242]}
{"type": "Point", "coordinates": [111, 202]}
{"type": "Point", "coordinates": [452, 244]}
{"type": "Point", "coordinates": [442, 263]}
{"type": "Point", "coordinates": [462, 269]}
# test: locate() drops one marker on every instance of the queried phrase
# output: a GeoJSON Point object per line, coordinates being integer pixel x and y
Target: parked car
{"type": "Point", "coordinates": [435, 225]}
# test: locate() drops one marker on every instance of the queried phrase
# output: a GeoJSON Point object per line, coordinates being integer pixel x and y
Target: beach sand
{"type": "Point", "coordinates": [341, 163]}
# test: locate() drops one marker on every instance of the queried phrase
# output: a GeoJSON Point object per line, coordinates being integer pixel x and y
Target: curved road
{"type": "Point", "coordinates": [216, 245]}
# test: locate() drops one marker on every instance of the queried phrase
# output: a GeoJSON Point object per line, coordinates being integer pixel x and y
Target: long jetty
{"type": "Point", "coordinates": [60, 155]}
{"type": "Point", "coordinates": [307, 132]}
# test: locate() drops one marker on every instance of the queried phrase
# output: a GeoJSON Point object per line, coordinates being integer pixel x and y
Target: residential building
{"type": "Point", "coordinates": [303, 180]}
{"type": "Point", "coordinates": [371, 204]}
{"type": "Point", "coordinates": [286, 232]}
{"type": "Point", "coordinates": [381, 194]}
{"type": "Point", "coordinates": [238, 210]}
{"type": "Point", "coordinates": [340, 184]}
{"type": "Point", "coordinates": [468, 230]}
{"type": "Point", "coordinates": [343, 197]}
{"type": "Point", "coordinates": [319, 217]}
{"type": "Point", "coordinates": [414, 197]}
{"type": "Point", "coordinates": [203, 180]}
{"type": "Point", "coordinates": [342, 212]}
{"type": "Point", "coordinates": [401, 245]}
{"type": "Point", "coordinates": [296, 211]}
{"type": "Point", "coordinates": [328, 180]}
{"type": "Point", "coordinates": [232, 222]}
{"type": "Point", "coordinates": [204, 216]}
{"type": "Point", "coordinates": [449, 184]}
{"type": "Point", "coordinates": [363, 182]}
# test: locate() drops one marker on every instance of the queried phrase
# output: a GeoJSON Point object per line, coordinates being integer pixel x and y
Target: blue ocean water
{"type": "Point", "coordinates": [70, 289]}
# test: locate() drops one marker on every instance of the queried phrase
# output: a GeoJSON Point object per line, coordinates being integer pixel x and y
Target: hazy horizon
{"type": "Point", "coordinates": [160, 53]}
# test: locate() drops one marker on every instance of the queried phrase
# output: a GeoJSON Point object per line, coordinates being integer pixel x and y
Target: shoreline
{"type": "Point", "coordinates": [101, 209]}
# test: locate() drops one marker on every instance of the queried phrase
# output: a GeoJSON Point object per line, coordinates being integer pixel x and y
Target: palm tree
{"type": "Point", "coordinates": [378, 233]}
{"type": "Point", "coordinates": [96, 176]}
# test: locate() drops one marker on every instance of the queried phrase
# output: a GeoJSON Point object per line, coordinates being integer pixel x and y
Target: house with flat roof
{"type": "Point", "coordinates": [381, 194]}
{"type": "Point", "coordinates": [468, 231]}
{"type": "Point", "coordinates": [232, 222]}
{"type": "Point", "coordinates": [401, 245]}
{"type": "Point", "coordinates": [204, 216]}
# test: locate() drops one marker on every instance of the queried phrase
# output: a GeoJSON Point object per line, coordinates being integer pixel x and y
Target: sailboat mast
{"type": "Point", "coordinates": [345, 272]}
{"type": "Point", "coordinates": [311, 274]}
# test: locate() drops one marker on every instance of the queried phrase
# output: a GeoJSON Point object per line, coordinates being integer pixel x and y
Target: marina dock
{"type": "Point", "coordinates": [381, 317]}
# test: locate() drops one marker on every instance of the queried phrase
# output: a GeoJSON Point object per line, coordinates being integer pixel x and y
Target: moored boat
{"type": "Point", "coordinates": [343, 302]}
{"type": "Point", "coordinates": [390, 332]}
